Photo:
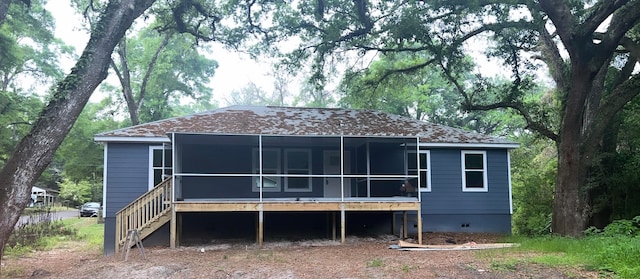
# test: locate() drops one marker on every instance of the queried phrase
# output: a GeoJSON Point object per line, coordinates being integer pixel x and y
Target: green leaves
{"type": "Point", "coordinates": [158, 69]}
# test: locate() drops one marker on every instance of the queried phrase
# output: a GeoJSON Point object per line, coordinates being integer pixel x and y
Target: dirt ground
{"type": "Point", "coordinates": [357, 258]}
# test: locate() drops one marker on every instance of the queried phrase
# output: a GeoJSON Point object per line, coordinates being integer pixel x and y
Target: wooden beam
{"type": "Point", "coordinates": [260, 228]}
{"type": "Point", "coordinates": [393, 223]}
{"type": "Point", "coordinates": [419, 226]}
{"type": "Point", "coordinates": [302, 206]}
{"type": "Point", "coordinates": [294, 206]}
{"type": "Point", "coordinates": [333, 226]}
{"type": "Point", "coordinates": [215, 207]}
{"type": "Point", "coordinates": [381, 206]}
{"type": "Point", "coordinates": [118, 233]}
{"type": "Point", "coordinates": [343, 223]}
{"type": "Point", "coordinates": [404, 224]}
{"type": "Point", "coordinates": [178, 228]}
{"type": "Point", "coordinates": [172, 230]}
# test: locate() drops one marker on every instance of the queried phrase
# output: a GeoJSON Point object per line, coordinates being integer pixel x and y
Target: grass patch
{"type": "Point", "coordinates": [89, 231]}
{"type": "Point", "coordinates": [505, 265]}
{"type": "Point", "coordinates": [608, 254]}
{"type": "Point", "coordinates": [44, 233]}
{"type": "Point", "coordinates": [377, 262]}
{"type": "Point", "coordinates": [407, 268]}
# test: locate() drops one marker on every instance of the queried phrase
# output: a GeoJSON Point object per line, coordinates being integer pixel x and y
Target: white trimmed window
{"type": "Point", "coordinates": [270, 165]}
{"type": "Point", "coordinates": [420, 165]}
{"type": "Point", "coordinates": [474, 171]}
{"type": "Point", "coordinates": [297, 162]}
{"type": "Point", "coordinates": [160, 164]}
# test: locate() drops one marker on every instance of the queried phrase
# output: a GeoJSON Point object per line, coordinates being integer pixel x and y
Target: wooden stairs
{"type": "Point", "coordinates": [146, 214]}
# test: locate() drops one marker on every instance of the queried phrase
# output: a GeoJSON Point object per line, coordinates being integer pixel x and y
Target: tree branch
{"type": "Point", "coordinates": [601, 11]}
{"type": "Point", "coordinates": [517, 106]}
{"type": "Point", "coordinates": [630, 45]}
{"type": "Point", "coordinates": [551, 56]}
{"type": "Point", "coordinates": [150, 68]}
{"type": "Point", "coordinates": [565, 22]}
{"type": "Point", "coordinates": [622, 21]}
{"type": "Point", "coordinates": [612, 104]}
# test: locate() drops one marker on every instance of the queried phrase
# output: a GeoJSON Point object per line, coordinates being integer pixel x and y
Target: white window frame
{"type": "Point", "coordinates": [152, 169]}
{"type": "Point", "coordinates": [419, 169]}
{"type": "Point", "coordinates": [286, 169]}
{"type": "Point", "coordinates": [485, 187]}
{"type": "Point", "coordinates": [255, 165]}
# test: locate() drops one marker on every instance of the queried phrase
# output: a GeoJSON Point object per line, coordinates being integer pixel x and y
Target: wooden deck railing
{"type": "Point", "coordinates": [146, 214]}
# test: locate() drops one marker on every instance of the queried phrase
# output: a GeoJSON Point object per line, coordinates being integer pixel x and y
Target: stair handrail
{"type": "Point", "coordinates": [144, 210]}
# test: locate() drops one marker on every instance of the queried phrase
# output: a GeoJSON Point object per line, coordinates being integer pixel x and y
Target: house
{"type": "Point", "coordinates": [259, 171]}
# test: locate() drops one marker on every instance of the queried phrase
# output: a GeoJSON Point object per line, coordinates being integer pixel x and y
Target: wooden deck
{"type": "Point", "coordinates": [400, 204]}
{"type": "Point", "coordinates": [157, 207]}
{"type": "Point", "coordinates": [352, 204]}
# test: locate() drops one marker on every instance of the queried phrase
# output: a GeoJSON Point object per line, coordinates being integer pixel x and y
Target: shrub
{"type": "Point", "coordinates": [617, 228]}
{"type": "Point", "coordinates": [31, 234]}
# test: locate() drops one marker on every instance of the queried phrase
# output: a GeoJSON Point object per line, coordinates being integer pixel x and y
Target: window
{"type": "Point", "coordinates": [298, 162]}
{"type": "Point", "coordinates": [270, 165]}
{"type": "Point", "coordinates": [423, 169]}
{"type": "Point", "coordinates": [474, 171]}
{"type": "Point", "coordinates": [160, 160]}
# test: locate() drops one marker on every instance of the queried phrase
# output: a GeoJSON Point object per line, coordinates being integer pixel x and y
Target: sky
{"type": "Point", "coordinates": [235, 70]}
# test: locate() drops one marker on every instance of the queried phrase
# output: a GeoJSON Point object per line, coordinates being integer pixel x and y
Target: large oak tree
{"type": "Point", "coordinates": [35, 151]}
{"type": "Point", "coordinates": [582, 44]}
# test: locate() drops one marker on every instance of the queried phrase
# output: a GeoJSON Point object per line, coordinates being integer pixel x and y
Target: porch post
{"type": "Point", "coordinates": [173, 223]}
{"type": "Point", "coordinates": [404, 224]}
{"type": "Point", "coordinates": [368, 170]}
{"type": "Point", "coordinates": [333, 226]}
{"type": "Point", "coordinates": [178, 228]}
{"type": "Point", "coordinates": [260, 166]}
{"type": "Point", "coordinates": [393, 222]}
{"type": "Point", "coordinates": [173, 239]}
{"type": "Point", "coordinates": [260, 232]}
{"type": "Point", "coordinates": [342, 168]}
{"type": "Point", "coordinates": [419, 219]}
{"type": "Point", "coordinates": [343, 222]}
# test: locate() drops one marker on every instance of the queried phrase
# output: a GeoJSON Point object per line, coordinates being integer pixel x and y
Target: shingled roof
{"type": "Point", "coordinates": [301, 121]}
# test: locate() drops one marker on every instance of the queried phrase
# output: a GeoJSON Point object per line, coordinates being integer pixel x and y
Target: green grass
{"type": "Point", "coordinates": [377, 262]}
{"type": "Point", "coordinates": [616, 255]}
{"type": "Point", "coordinates": [89, 231]}
{"type": "Point", "coordinates": [59, 233]}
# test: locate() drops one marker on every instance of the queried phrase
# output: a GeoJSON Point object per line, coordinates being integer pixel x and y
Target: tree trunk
{"type": "Point", "coordinates": [4, 9]}
{"type": "Point", "coordinates": [571, 204]}
{"type": "Point", "coordinates": [35, 151]}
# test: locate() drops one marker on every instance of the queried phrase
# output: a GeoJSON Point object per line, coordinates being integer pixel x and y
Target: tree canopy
{"type": "Point", "coordinates": [581, 43]}
{"type": "Point", "coordinates": [589, 48]}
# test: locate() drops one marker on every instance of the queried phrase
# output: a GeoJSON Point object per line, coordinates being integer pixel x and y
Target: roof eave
{"type": "Point", "coordinates": [106, 139]}
{"type": "Point", "coordinates": [470, 145]}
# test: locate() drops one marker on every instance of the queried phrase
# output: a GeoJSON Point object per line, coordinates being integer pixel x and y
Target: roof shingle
{"type": "Point", "coordinates": [302, 121]}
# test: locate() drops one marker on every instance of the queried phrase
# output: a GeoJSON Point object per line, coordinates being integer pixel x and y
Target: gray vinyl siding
{"type": "Point", "coordinates": [127, 179]}
{"type": "Point", "coordinates": [447, 197]}
{"type": "Point", "coordinates": [127, 174]}
{"type": "Point", "coordinates": [486, 223]}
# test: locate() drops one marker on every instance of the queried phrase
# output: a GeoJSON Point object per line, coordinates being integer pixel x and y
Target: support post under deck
{"type": "Point", "coordinates": [173, 229]}
{"type": "Point", "coordinates": [419, 216]}
{"type": "Point", "coordinates": [260, 232]}
{"type": "Point", "coordinates": [343, 222]}
{"type": "Point", "coordinates": [405, 222]}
